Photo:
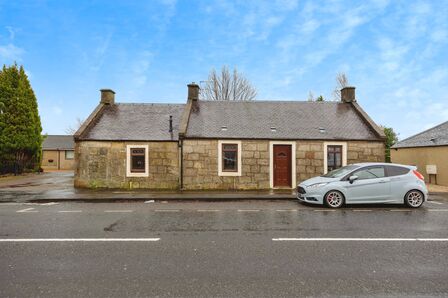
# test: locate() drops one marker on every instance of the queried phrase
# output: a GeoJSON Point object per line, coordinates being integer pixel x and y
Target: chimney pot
{"type": "Point", "coordinates": [193, 91]}
{"type": "Point", "coordinates": [107, 96]}
{"type": "Point", "coordinates": [348, 94]}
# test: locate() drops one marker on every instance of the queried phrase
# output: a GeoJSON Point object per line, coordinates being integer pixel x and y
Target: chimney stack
{"type": "Point", "coordinates": [348, 94]}
{"type": "Point", "coordinates": [107, 96]}
{"type": "Point", "coordinates": [193, 91]}
{"type": "Point", "coordinates": [171, 123]}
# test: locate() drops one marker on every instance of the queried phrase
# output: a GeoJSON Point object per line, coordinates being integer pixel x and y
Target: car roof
{"type": "Point", "coordinates": [366, 164]}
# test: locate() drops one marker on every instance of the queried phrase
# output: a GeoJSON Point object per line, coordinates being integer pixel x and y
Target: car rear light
{"type": "Point", "coordinates": [419, 176]}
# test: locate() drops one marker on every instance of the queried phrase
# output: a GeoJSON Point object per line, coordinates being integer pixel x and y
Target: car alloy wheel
{"type": "Point", "coordinates": [334, 199]}
{"type": "Point", "coordinates": [414, 199]}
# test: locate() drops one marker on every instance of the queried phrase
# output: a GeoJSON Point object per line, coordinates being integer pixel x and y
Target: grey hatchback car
{"type": "Point", "coordinates": [366, 183]}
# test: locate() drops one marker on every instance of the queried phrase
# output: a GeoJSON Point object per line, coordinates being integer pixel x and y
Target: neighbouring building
{"type": "Point", "coordinates": [221, 145]}
{"type": "Point", "coordinates": [428, 151]}
{"type": "Point", "coordinates": [58, 153]}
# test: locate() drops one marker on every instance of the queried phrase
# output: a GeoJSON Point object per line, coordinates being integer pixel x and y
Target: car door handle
{"type": "Point", "coordinates": [383, 181]}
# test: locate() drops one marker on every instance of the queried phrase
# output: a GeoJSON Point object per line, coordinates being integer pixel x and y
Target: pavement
{"type": "Point", "coordinates": [58, 186]}
{"type": "Point", "coordinates": [222, 249]}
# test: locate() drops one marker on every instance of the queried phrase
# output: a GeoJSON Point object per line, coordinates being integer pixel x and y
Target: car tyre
{"type": "Point", "coordinates": [414, 198]}
{"type": "Point", "coordinates": [334, 199]}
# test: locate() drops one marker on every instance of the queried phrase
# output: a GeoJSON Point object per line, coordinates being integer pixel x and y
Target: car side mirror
{"type": "Point", "coordinates": [352, 179]}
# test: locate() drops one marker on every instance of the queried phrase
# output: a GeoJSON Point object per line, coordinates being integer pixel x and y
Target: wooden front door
{"type": "Point", "coordinates": [282, 166]}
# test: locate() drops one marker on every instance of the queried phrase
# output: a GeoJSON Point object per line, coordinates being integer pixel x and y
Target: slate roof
{"type": "Point", "coordinates": [288, 120]}
{"type": "Point", "coordinates": [58, 142]}
{"type": "Point", "coordinates": [436, 136]}
{"type": "Point", "coordinates": [135, 122]}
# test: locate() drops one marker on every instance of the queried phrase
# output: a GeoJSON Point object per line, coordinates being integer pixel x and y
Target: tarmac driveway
{"type": "Point", "coordinates": [24, 188]}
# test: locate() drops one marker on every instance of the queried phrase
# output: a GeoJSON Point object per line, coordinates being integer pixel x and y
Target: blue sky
{"type": "Point", "coordinates": [394, 52]}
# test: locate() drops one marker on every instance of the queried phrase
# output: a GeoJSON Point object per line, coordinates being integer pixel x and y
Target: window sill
{"type": "Point", "coordinates": [137, 175]}
{"type": "Point", "coordinates": [229, 174]}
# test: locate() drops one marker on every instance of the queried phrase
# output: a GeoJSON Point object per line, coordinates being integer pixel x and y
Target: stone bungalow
{"type": "Point", "coordinates": [221, 145]}
{"type": "Point", "coordinates": [58, 153]}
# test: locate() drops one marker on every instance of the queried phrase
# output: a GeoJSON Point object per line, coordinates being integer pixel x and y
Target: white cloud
{"type": "Point", "coordinates": [140, 68]}
{"type": "Point", "coordinates": [12, 32]}
{"type": "Point", "coordinates": [56, 110]}
{"type": "Point", "coordinates": [11, 52]}
{"type": "Point", "coordinates": [99, 54]}
{"type": "Point", "coordinates": [287, 4]}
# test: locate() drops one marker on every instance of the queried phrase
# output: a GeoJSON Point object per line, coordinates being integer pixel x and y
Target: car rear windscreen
{"type": "Point", "coordinates": [396, 170]}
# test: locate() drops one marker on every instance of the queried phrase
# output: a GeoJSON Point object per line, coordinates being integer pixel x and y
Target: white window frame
{"type": "Point", "coordinates": [344, 153]}
{"type": "Point", "coordinates": [65, 154]}
{"type": "Point", "coordinates": [128, 161]}
{"type": "Point", "coordinates": [293, 162]}
{"type": "Point", "coordinates": [225, 173]}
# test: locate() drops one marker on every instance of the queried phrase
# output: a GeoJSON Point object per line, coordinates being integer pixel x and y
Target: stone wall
{"type": "Point", "coordinates": [103, 165]}
{"type": "Point", "coordinates": [201, 162]}
{"type": "Point", "coordinates": [364, 151]}
{"type": "Point", "coordinates": [309, 159]}
{"type": "Point", "coordinates": [201, 166]}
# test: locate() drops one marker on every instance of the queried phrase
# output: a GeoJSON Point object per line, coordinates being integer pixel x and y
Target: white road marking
{"type": "Point", "coordinates": [362, 239]}
{"type": "Point", "coordinates": [438, 210]}
{"type": "Point", "coordinates": [323, 210]}
{"type": "Point", "coordinates": [81, 240]}
{"type": "Point", "coordinates": [166, 210]}
{"type": "Point", "coordinates": [118, 211]}
{"type": "Point", "coordinates": [208, 210]}
{"type": "Point", "coordinates": [70, 211]}
{"type": "Point", "coordinates": [401, 210]}
{"type": "Point", "coordinates": [27, 210]}
{"type": "Point", "coordinates": [248, 210]}
{"type": "Point", "coordinates": [150, 201]}
{"type": "Point", "coordinates": [10, 204]}
{"type": "Point", "coordinates": [49, 204]}
{"type": "Point", "coordinates": [286, 210]}
{"type": "Point", "coordinates": [434, 202]}
{"type": "Point", "coordinates": [361, 210]}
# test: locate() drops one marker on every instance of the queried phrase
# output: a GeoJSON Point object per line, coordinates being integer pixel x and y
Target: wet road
{"type": "Point", "coordinates": [227, 249]}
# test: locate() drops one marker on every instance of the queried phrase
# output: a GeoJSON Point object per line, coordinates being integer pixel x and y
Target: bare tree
{"type": "Point", "coordinates": [310, 96]}
{"type": "Point", "coordinates": [227, 86]}
{"type": "Point", "coordinates": [71, 130]}
{"type": "Point", "coordinates": [341, 82]}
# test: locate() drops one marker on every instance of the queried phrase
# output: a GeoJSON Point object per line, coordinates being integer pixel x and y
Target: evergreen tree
{"type": "Point", "coordinates": [391, 139]}
{"type": "Point", "coordinates": [20, 126]}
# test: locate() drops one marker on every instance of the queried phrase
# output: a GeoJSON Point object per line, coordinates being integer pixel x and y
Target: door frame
{"type": "Point", "coordinates": [293, 162]}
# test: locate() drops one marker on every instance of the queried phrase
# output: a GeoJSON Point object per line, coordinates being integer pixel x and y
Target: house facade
{"type": "Point", "coordinates": [428, 151]}
{"type": "Point", "coordinates": [58, 153]}
{"type": "Point", "coordinates": [221, 145]}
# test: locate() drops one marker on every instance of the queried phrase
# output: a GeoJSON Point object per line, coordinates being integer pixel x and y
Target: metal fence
{"type": "Point", "coordinates": [13, 167]}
